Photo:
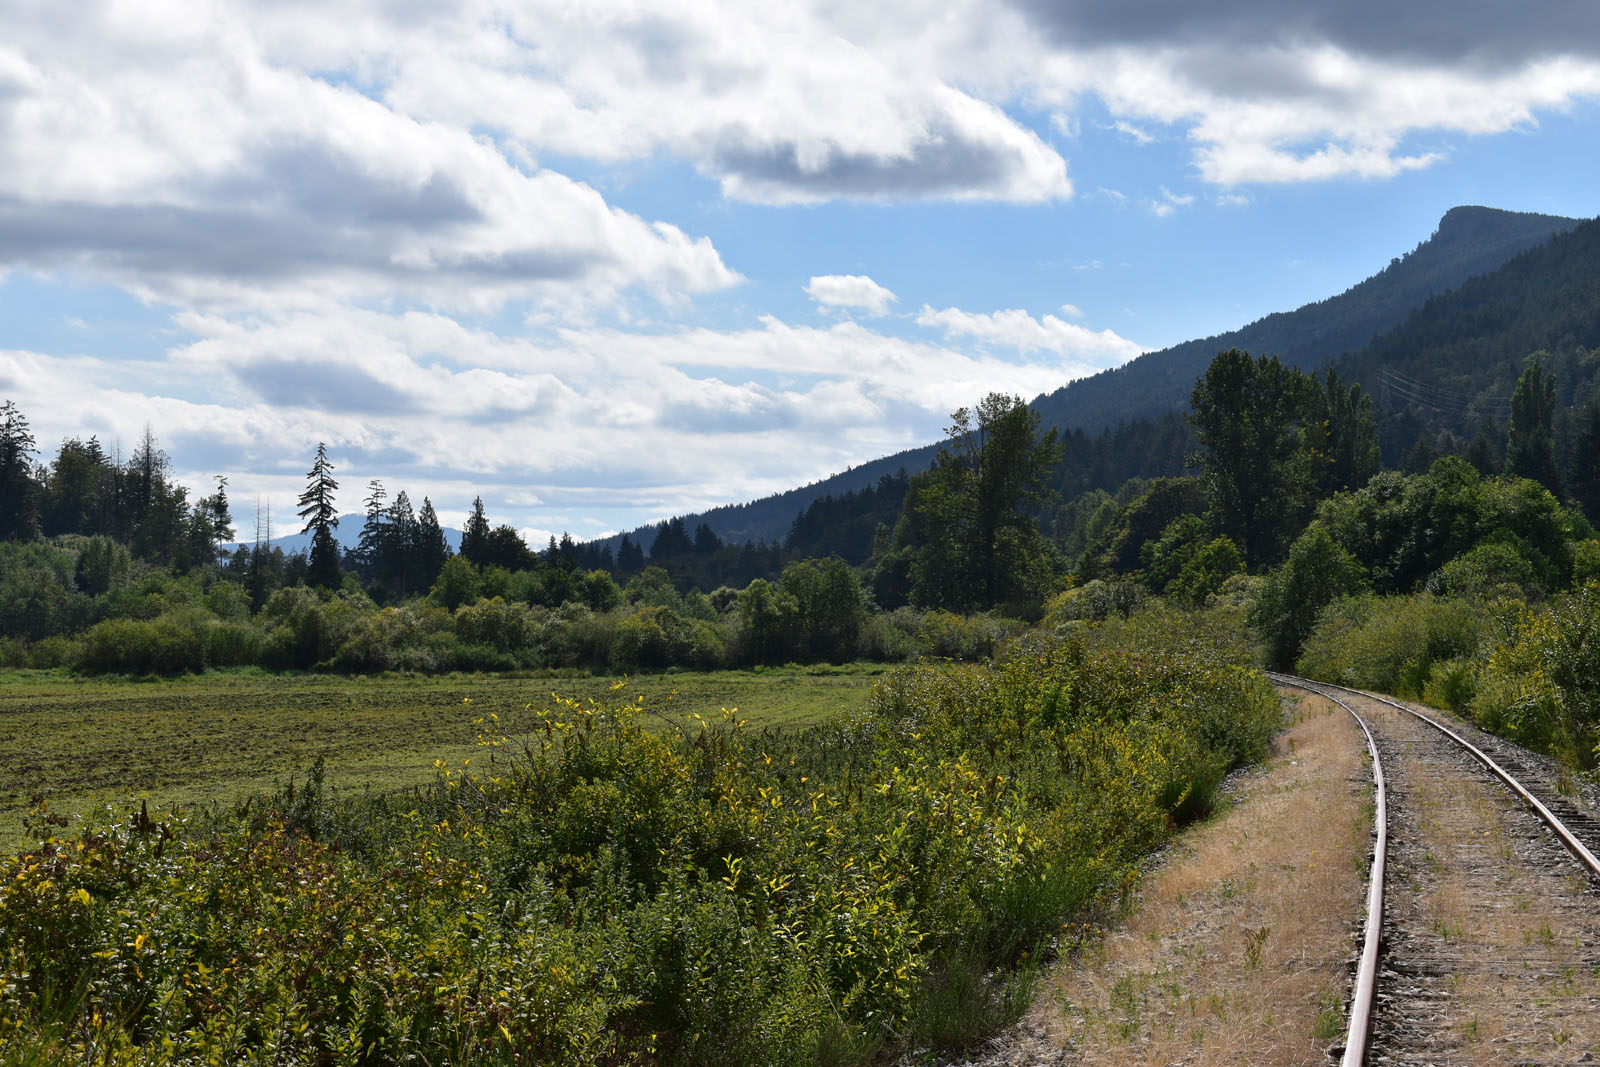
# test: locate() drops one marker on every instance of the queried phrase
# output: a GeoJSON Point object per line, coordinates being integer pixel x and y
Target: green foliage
{"type": "Point", "coordinates": [19, 506]}
{"type": "Point", "coordinates": [655, 638]}
{"type": "Point", "coordinates": [1248, 415]}
{"type": "Point", "coordinates": [1150, 511]}
{"type": "Point", "coordinates": [1393, 644]}
{"type": "Point", "coordinates": [1317, 572]}
{"type": "Point", "coordinates": [1586, 561]}
{"type": "Point", "coordinates": [969, 525]}
{"type": "Point", "coordinates": [1494, 569]}
{"type": "Point", "coordinates": [1541, 683]}
{"type": "Point", "coordinates": [945, 635]}
{"type": "Point", "coordinates": [1206, 572]}
{"type": "Point", "coordinates": [36, 598]}
{"type": "Point", "coordinates": [135, 646]}
{"type": "Point", "coordinates": [495, 624]}
{"type": "Point", "coordinates": [101, 563]}
{"type": "Point", "coordinates": [1530, 435]}
{"type": "Point", "coordinates": [1164, 557]}
{"type": "Point", "coordinates": [591, 891]}
{"type": "Point", "coordinates": [1096, 600]}
{"type": "Point", "coordinates": [1403, 529]}
{"type": "Point", "coordinates": [321, 516]}
{"type": "Point", "coordinates": [457, 583]}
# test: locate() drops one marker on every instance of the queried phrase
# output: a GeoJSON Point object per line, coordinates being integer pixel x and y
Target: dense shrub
{"type": "Point", "coordinates": [1317, 572]}
{"type": "Point", "coordinates": [945, 635]}
{"type": "Point", "coordinates": [1391, 644]}
{"type": "Point", "coordinates": [604, 894]}
{"type": "Point", "coordinates": [1492, 569]}
{"type": "Point", "coordinates": [1206, 572]}
{"type": "Point", "coordinates": [495, 624]}
{"type": "Point", "coordinates": [653, 638]}
{"type": "Point", "coordinates": [1096, 599]}
{"type": "Point", "coordinates": [1541, 683]}
{"type": "Point", "coordinates": [136, 646]}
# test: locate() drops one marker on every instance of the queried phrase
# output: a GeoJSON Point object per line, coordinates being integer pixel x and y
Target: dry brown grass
{"type": "Point", "coordinates": [1236, 951]}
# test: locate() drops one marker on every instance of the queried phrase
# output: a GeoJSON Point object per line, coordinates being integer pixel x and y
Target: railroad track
{"type": "Point", "coordinates": [1482, 936]}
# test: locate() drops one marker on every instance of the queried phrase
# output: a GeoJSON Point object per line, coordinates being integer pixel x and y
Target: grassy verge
{"type": "Point", "coordinates": [191, 740]}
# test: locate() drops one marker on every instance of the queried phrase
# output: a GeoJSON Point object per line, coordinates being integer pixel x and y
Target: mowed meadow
{"type": "Point", "coordinates": [195, 740]}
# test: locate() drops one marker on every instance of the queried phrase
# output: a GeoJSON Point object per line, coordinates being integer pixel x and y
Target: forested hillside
{"type": "Point", "coordinates": [1470, 241]}
{"type": "Point", "coordinates": [1452, 364]}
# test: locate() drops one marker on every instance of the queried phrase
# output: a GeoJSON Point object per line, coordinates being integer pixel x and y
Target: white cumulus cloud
{"type": "Point", "coordinates": [1016, 329]}
{"type": "Point", "coordinates": [850, 291]}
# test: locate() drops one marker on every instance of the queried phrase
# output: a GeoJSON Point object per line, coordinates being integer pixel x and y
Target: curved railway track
{"type": "Point", "coordinates": [1487, 949]}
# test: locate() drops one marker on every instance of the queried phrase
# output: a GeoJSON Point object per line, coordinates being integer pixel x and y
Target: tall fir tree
{"type": "Point", "coordinates": [210, 524]}
{"type": "Point", "coordinates": [370, 545]}
{"type": "Point", "coordinates": [397, 568]}
{"type": "Point", "coordinates": [475, 535]}
{"type": "Point", "coordinates": [321, 517]}
{"type": "Point", "coordinates": [1248, 415]}
{"type": "Point", "coordinates": [18, 495]}
{"type": "Point", "coordinates": [431, 549]}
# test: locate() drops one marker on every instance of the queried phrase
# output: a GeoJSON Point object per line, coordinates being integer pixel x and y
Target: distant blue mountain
{"type": "Point", "coordinates": [347, 533]}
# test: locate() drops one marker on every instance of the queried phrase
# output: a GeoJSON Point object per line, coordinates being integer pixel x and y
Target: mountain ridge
{"type": "Point", "coordinates": [1469, 241]}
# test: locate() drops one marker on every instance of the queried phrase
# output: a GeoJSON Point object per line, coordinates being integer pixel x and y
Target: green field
{"type": "Point", "coordinates": [80, 742]}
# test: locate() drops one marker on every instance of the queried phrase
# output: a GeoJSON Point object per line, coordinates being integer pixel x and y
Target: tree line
{"type": "Point", "coordinates": [986, 530]}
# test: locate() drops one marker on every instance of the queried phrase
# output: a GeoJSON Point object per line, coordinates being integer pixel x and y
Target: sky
{"type": "Point", "coordinates": [602, 263]}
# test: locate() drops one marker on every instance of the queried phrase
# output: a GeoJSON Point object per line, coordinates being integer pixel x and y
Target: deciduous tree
{"type": "Point", "coordinates": [1247, 415]}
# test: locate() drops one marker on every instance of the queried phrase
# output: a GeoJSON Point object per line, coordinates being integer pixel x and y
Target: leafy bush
{"type": "Point", "coordinates": [135, 646]}
{"type": "Point", "coordinates": [1096, 599]}
{"type": "Point", "coordinates": [1391, 644]}
{"type": "Point", "coordinates": [1492, 569]}
{"type": "Point", "coordinates": [1541, 684]}
{"type": "Point", "coordinates": [655, 638]}
{"type": "Point", "coordinates": [1317, 572]}
{"type": "Point", "coordinates": [1205, 572]}
{"type": "Point", "coordinates": [495, 624]}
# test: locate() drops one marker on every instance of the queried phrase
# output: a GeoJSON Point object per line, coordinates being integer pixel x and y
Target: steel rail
{"type": "Point", "coordinates": [1579, 851]}
{"type": "Point", "coordinates": [1360, 1029]}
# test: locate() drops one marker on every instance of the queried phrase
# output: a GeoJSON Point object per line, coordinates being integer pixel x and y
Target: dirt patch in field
{"type": "Point", "coordinates": [1237, 948]}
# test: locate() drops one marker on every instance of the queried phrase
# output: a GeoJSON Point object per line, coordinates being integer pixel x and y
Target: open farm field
{"type": "Point", "coordinates": [80, 742]}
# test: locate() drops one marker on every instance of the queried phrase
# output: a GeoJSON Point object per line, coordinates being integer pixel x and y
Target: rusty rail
{"type": "Point", "coordinates": [1359, 1031]}
{"type": "Point", "coordinates": [1585, 858]}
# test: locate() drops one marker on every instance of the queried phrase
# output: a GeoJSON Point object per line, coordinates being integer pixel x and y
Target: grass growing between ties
{"type": "Point", "coordinates": [221, 736]}
{"type": "Point", "coordinates": [600, 885]}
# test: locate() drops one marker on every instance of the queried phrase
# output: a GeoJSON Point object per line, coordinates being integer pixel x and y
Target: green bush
{"type": "Point", "coordinates": [1206, 572]}
{"type": "Point", "coordinates": [232, 644]}
{"type": "Point", "coordinates": [1492, 569]}
{"type": "Point", "coordinates": [495, 624]}
{"type": "Point", "coordinates": [136, 646]}
{"type": "Point", "coordinates": [884, 640]}
{"type": "Point", "coordinates": [1096, 600]}
{"type": "Point", "coordinates": [1541, 683]}
{"type": "Point", "coordinates": [1317, 572]}
{"type": "Point", "coordinates": [1391, 644]}
{"type": "Point", "coordinates": [1452, 683]}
